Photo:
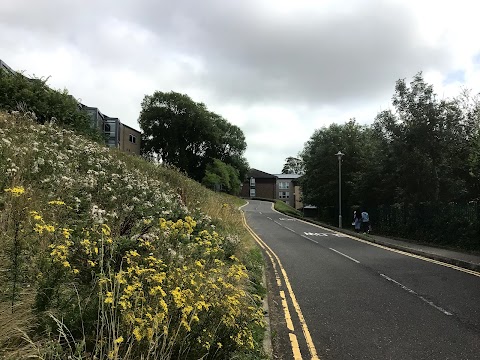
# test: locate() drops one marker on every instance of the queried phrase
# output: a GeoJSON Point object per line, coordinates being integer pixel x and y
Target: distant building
{"type": "Point", "coordinates": [130, 139]}
{"type": "Point", "coordinates": [288, 189]}
{"type": "Point", "coordinates": [117, 135]}
{"type": "Point", "coordinates": [259, 184]}
{"type": "Point", "coordinates": [285, 187]}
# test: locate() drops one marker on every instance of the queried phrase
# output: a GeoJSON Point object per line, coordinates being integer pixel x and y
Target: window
{"type": "Point", "coordinates": [132, 138]}
{"type": "Point", "coordinates": [107, 128]}
{"type": "Point", "coordinates": [252, 182]}
{"type": "Point", "coordinates": [252, 192]}
{"type": "Point", "coordinates": [284, 195]}
{"type": "Point", "coordinates": [283, 184]}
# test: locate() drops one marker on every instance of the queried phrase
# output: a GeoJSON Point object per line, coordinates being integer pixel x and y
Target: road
{"type": "Point", "coordinates": [336, 297]}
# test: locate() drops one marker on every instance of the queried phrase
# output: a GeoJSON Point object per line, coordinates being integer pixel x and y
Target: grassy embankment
{"type": "Point", "coordinates": [286, 209]}
{"type": "Point", "coordinates": [104, 255]}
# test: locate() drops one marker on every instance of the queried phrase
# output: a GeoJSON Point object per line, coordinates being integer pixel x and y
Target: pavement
{"type": "Point", "coordinates": [458, 258]}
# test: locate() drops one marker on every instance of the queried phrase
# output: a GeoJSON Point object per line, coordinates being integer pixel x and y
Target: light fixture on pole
{"type": "Point", "coordinates": [339, 156]}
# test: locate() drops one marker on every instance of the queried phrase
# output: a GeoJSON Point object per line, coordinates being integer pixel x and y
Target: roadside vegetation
{"type": "Point", "coordinates": [286, 209]}
{"type": "Point", "coordinates": [104, 255]}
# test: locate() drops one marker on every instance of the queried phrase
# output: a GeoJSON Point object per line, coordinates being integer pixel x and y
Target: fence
{"type": "Point", "coordinates": [450, 224]}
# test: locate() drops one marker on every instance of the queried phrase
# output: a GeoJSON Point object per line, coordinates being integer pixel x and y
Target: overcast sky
{"type": "Point", "coordinates": [278, 69]}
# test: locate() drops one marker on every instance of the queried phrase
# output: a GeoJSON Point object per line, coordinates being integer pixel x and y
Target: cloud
{"type": "Point", "coordinates": [253, 54]}
{"type": "Point", "coordinates": [279, 69]}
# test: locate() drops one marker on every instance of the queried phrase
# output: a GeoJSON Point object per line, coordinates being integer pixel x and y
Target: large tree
{"type": "Point", "coordinates": [293, 165]}
{"type": "Point", "coordinates": [182, 132]}
{"type": "Point", "coordinates": [429, 141]}
{"type": "Point", "coordinates": [320, 182]}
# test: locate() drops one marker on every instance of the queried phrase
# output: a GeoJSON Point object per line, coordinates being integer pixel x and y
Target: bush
{"type": "Point", "coordinates": [22, 93]}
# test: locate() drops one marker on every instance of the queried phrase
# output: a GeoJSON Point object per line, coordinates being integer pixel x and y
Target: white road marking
{"type": "Point", "coordinates": [316, 242]}
{"type": "Point", "coordinates": [417, 295]}
{"type": "Point", "coordinates": [289, 229]}
{"type": "Point", "coordinates": [348, 257]}
{"type": "Point", "coordinates": [269, 218]}
{"type": "Point", "coordinates": [315, 234]}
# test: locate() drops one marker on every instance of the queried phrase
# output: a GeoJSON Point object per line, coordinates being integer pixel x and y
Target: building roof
{"type": "Point", "coordinates": [131, 128]}
{"type": "Point", "coordinates": [288, 176]}
{"type": "Point", "coordinates": [260, 174]}
{"type": "Point", "coordinates": [6, 67]}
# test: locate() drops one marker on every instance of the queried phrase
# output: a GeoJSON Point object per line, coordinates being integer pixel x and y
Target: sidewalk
{"type": "Point", "coordinates": [460, 259]}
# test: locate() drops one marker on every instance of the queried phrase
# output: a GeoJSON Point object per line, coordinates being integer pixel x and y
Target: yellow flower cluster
{"type": "Point", "coordinates": [56, 202]}
{"type": "Point", "coordinates": [156, 300]}
{"type": "Point", "coordinates": [40, 225]}
{"type": "Point", "coordinates": [16, 191]}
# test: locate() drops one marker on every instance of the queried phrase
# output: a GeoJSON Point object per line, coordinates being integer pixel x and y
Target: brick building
{"type": "Point", "coordinates": [259, 184]}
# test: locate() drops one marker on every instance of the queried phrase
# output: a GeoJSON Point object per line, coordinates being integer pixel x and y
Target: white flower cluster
{"type": "Point", "coordinates": [78, 171]}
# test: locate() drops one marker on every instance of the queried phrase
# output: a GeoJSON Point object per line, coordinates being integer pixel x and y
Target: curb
{"type": "Point", "coordinates": [267, 340]}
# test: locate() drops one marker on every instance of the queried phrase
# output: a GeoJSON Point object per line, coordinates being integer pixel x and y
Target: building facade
{"type": "Point", "coordinates": [117, 135]}
{"type": "Point", "coordinates": [130, 139]}
{"type": "Point", "coordinates": [288, 190]}
{"type": "Point", "coordinates": [285, 187]}
{"type": "Point", "coordinates": [259, 184]}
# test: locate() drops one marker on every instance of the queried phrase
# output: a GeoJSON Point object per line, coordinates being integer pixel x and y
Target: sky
{"type": "Point", "coordinates": [278, 69]}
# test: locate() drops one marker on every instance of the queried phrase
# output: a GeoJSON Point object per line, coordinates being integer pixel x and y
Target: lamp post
{"type": "Point", "coordinates": [339, 156]}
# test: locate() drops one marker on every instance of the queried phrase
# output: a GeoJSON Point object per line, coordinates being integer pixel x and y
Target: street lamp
{"type": "Point", "coordinates": [339, 156]}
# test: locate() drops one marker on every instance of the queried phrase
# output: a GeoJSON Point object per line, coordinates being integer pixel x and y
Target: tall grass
{"type": "Point", "coordinates": [107, 256]}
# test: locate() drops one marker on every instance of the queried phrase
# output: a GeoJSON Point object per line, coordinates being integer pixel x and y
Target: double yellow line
{"type": "Point", "coordinates": [277, 265]}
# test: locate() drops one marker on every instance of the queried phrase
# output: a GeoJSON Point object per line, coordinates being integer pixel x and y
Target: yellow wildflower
{"type": "Point", "coordinates": [109, 298]}
{"type": "Point", "coordinates": [16, 191]}
{"type": "Point", "coordinates": [119, 340]}
{"type": "Point", "coordinates": [56, 202]}
{"type": "Point", "coordinates": [106, 230]}
{"type": "Point", "coordinates": [66, 233]}
{"type": "Point", "coordinates": [137, 333]}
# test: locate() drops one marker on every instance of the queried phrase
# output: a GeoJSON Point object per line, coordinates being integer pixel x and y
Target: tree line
{"type": "Point", "coordinates": [421, 156]}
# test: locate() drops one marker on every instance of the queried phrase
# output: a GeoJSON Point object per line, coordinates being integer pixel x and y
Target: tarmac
{"type": "Point", "coordinates": [454, 257]}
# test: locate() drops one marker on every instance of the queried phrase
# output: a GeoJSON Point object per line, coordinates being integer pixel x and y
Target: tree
{"type": "Point", "coordinates": [428, 141]}
{"type": "Point", "coordinates": [185, 134]}
{"type": "Point", "coordinates": [221, 176]}
{"type": "Point", "coordinates": [293, 166]}
{"type": "Point", "coordinates": [320, 181]}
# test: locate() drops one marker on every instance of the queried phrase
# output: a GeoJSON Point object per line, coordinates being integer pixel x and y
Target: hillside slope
{"type": "Point", "coordinates": [107, 256]}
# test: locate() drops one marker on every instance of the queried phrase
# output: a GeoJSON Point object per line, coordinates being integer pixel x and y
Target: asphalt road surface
{"type": "Point", "coordinates": [336, 297]}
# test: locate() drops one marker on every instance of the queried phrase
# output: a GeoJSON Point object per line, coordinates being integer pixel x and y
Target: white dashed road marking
{"type": "Point", "coordinates": [417, 295]}
{"type": "Point", "coordinates": [348, 257]}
